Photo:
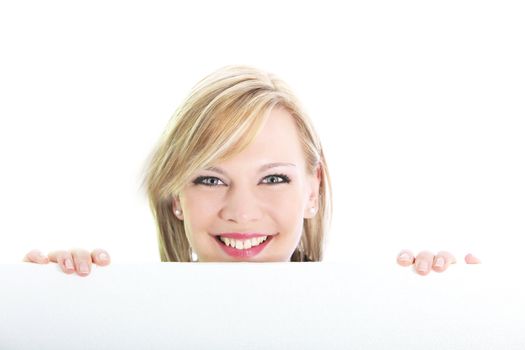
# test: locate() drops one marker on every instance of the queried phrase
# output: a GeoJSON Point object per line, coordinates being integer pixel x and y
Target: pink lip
{"type": "Point", "coordinates": [241, 236]}
{"type": "Point", "coordinates": [243, 253]}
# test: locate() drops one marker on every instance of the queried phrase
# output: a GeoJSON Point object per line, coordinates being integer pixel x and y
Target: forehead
{"type": "Point", "coordinates": [277, 141]}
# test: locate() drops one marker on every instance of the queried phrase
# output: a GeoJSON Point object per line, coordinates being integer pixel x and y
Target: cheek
{"type": "Point", "coordinates": [287, 207]}
{"type": "Point", "coordinates": [200, 208]}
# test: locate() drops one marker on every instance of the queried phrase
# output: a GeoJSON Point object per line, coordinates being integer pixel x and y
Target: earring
{"type": "Point", "coordinates": [312, 210]}
{"type": "Point", "coordinates": [177, 212]}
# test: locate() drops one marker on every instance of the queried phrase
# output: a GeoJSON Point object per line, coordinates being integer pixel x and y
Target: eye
{"type": "Point", "coordinates": [276, 179]}
{"type": "Point", "coordinates": [207, 181]}
{"type": "Point", "coordinates": [212, 181]}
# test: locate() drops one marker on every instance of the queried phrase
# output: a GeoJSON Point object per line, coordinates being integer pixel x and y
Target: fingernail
{"type": "Point", "coordinates": [423, 266]}
{"type": "Point", "coordinates": [404, 257]}
{"type": "Point", "coordinates": [103, 257]}
{"type": "Point", "coordinates": [440, 262]}
{"type": "Point", "coordinates": [84, 268]}
{"type": "Point", "coordinates": [69, 264]}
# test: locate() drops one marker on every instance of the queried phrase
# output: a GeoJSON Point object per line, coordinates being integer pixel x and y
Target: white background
{"type": "Point", "coordinates": [420, 106]}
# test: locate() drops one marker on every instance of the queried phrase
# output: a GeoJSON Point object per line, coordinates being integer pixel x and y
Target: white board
{"type": "Point", "coordinates": [261, 306]}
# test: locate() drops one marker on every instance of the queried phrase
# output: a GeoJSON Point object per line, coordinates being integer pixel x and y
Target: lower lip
{"type": "Point", "coordinates": [243, 253]}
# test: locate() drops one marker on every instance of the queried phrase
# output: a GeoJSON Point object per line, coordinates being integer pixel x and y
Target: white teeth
{"type": "Point", "coordinates": [243, 244]}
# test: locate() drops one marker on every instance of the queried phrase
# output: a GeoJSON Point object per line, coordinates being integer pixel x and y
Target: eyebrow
{"type": "Point", "coordinates": [262, 168]}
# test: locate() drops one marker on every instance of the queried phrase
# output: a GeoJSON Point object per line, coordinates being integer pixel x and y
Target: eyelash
{"type": "Point", "coordinates": [200, 180]}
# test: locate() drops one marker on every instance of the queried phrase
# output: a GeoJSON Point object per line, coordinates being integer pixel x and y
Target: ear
{"type": "Point", "coordinates": [177, 208]}
{"type": "Point", "coordinates": [313, 193]}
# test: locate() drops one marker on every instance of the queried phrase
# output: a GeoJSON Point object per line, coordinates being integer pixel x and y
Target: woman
{"type": "Point", "coordinates": [238, 175]}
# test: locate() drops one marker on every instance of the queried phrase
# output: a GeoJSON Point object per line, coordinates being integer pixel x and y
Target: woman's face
{"type": "Point", "coordinates": [263, 191]}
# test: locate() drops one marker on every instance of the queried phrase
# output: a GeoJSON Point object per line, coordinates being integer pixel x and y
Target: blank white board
{"type": "Point", "coordinates": [261, 306]}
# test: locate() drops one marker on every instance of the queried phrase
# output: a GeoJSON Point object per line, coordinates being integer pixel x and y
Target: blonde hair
{"type": "Point", "coordinates": [221, 116]}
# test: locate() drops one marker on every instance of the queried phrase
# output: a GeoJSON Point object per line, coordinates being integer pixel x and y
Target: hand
{"type": "Point", "coordinates": [425, 261]}
{"type": "Point", "coordinates": [78, 260]}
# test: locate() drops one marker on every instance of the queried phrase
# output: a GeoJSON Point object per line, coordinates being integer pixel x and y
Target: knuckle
{"type": "Point", "coordinates": [425, 254]}
{"type": "Point", "coordinates": [62, 253]}
{"type": "Point", "coordinates": [74, 254]}
{"type": "Point", "coordinates": [79, 254]}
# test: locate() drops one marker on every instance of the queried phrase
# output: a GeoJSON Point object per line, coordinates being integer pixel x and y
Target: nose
{"type": "Point", "coordinates": [241, 206]}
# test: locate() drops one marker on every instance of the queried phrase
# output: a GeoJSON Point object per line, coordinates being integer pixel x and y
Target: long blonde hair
{"type": "Point", "coordinates": [221, 116]}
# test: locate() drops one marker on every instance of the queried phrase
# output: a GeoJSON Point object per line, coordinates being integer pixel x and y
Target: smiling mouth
{"type": "Point", "coordinates": [242, 249]}
{"type": "Point", "coordinates": [242, 244]}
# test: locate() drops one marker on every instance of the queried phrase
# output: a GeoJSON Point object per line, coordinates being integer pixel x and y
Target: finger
{"type": "Point", "coordinates": [100, 257]}
{"type": "Point", "coordinates": [82, 261]}
{"type": "Point", "coordinates": [471, 259]}
{"type": "Point", "coordinates": [424, 262]}
{"type": "Point", "coordinates": [64, 259]}
{"type": "Point", "coordinates": [442, 261]}
{"type": "Point", "coordinates": [405, 258]}
{"type": "Point", "coordinates": [36, 256]}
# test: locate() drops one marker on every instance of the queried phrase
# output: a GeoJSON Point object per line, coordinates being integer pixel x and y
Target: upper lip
{"type": "Point", "coordinates": [238, 235]}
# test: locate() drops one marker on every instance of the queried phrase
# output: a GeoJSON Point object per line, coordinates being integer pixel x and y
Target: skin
{"type": "Point", "coordinates": [74, 260]}
{"type": "Point", "coordinates": [80, 256]}
{"type": "Point", "coordinates": [242, 198]}
{"type": "Point", "coordinates": [426, 261]}
{"type": "Point", "coordinates": [239, 197]}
